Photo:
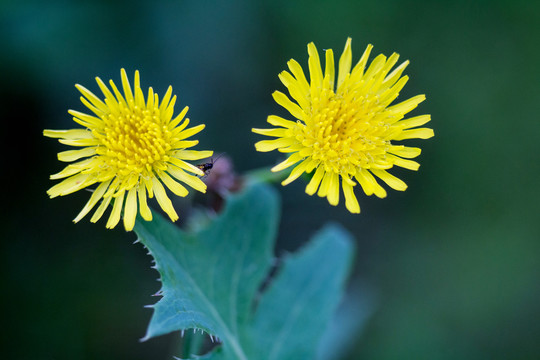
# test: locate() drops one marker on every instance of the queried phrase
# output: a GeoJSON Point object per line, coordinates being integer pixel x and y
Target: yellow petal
{"type": "Point", "coordinates": [139, 98]}
{"type": "Point", "coordinates": [165, 100]}
{"type": "Point", "coordinates": [269, 145]}
{"type": "Point", "coordinates": [177, 188]}
{"type": "Point", "coordinates": [394, 75]}
{"type": "Point", "coordinates": [345, 62]}
{"type": "Point", "coordinates": [291, 160]}
{"type": "Point", "coordinates": [388, 65]}
{"type": "Point", "coordinates": [150, 100]}
{"type": "Point", "coordinates": [71, 185]}
{"type": "Point", "coordinates": [169, 111]}
{"type": "Point", "coordinates": [419, 133]}
{"type": "Point", "coordinates": [193, 154]}
{"type": "Point", "coordinates": [126, 87]}
{"type": "Point", "coordinates": [147, 181]}
{"type": "Point", "coordinates": [137, 80]}
{"type": "Point", "coordinates": [190, 132]}
{"type": "Point", "coordinates": [72, 155]}
{"type": "Point", "coordinates": [73, 169]}
{"type": "Point", "coordinates": [279, 121]}
{"type": "Point", "coordinates": [390, 94]}
{"type": "Point", "coordinates": [163, 199]}
{"type": "Point", "coordinates": [329, 71]}
{"type": "Point", "coordinates": [93, 99]}
{"type": "Point", "coordinates": [101, 209]}
{"type": "Point", "coordinates": [86, 120]}
{"type": "Point", "coordinates": [143, 205]}
{"type": "Point", "coordinates": [186, 166]}
{"type": "Point", "coordinates": [390, 180]}
{"type": "Point", "coordinates": [91, 107]}
{"type": "Point", "coordinates": [297, 171]}
{"type": "Point", "coordinates": [73, 134]}
{"type": "Point", "coordinates": [284, 101]}
{"type": "Point", "coordinates": [404, 163]}
{"type": "Point", "coordinates": [179, 118]}
{"type": "Point", "coordinates": [351, 203]}
{"type": "Point", "coordinates": [190, 180]}
{"type": "Point", "coordinates": [130, 211]}
{"type": "Point", "coordinates": [325, 185]}
{"type": "Point", "coordinates": [406, 106]}
{"type": "Point", "coordinates": [184, 144]}
{"type": "Point", "coordinates": [295, 90]}
{"type": "Point", "coordinates": [80, 142]}
{"type": "Point", "coordinates": [129, 182]}
{"type": "Point", "coordinates": [375, 67]}
{"type": "Point", "coordinates": [119, 97]}
{"type": "Point", "coordinates": [315, 72]}
{"type": "Point", "coordinates": [414, 121]}
{"type": "Point", "coordinates": [313, 184]}
{"type": "Point", "coordinates": [358, 69]}
{"type": "Point", "coordinates": [333, 189]}
{"type": "Point", "coordinates": [109, 97]}
{"type": "Point", "coordinates": [279, 132]}
{"type": "Point", "coordinates": [114, 218]}
{"type": "Point", "coordinates": [113, 188]}
{"type": "Point", "coordinates": [369, 184]}
{"type": "Point", "coordinates": [404, 151]}
{"type": "Point", "coordinates": [381, 165]}
{"type": "Point", "coordinates": [96, 196]}
{"type": "Point", "coordinates": [298, 73]}
{"type": "Point", "coordinates": [296, 147]}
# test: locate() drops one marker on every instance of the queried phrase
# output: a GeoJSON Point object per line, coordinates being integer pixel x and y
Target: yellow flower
{"type": "Point", "coordinates": [345, 128]}
{"type": "Point", "coordinates": [129, 147]}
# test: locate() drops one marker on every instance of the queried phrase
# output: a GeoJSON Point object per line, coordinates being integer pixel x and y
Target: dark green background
{"type": "Point", "coordinates": [450, 267]}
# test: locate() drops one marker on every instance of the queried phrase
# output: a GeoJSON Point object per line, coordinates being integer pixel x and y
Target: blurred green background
{"type": "Point", "coordinates": [450, 268]}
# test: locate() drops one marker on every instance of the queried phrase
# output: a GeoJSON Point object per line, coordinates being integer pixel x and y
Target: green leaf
{"type": "Point", "coordinates": [295, 310]}
{"type": "Point", "coordinates": [211, 280]}
{"type": "Point", "coordinates": [350, 318]}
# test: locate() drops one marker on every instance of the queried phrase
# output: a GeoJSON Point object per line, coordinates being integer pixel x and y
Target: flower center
{"type": "Point", "coordinates": [346, 131]}
{"type": "Point", "coordinates": [134, 139]}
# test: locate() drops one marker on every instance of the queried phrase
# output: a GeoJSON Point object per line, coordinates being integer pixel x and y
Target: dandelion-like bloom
{"type": "Point", "coordinates": [130, 147]}
{"type": "Point", "coordinates": [346, 128]}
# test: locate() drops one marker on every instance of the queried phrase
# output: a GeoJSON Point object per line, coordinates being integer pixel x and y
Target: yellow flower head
{"type": "Point", "coordinates": [129, 146]}
{"type": "Point", "coordinates": [345, 128]}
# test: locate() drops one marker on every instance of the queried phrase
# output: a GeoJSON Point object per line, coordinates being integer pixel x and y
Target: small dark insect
{"type": "Point", "coordinates": [206, 167]}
